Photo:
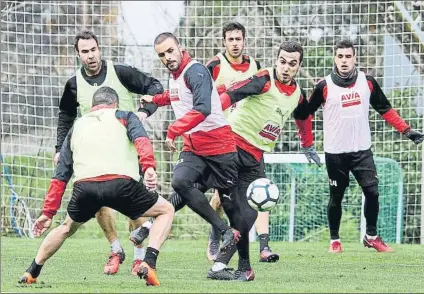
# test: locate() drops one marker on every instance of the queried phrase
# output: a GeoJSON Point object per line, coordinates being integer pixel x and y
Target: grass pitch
{"type": "Point", "coordinates": [182, 268]}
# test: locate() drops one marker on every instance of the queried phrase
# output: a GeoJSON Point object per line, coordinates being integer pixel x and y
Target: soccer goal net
{"type": "Point", "coordinates": [38, 57]}
{"type": "Point", "coordinates": [301, 214]}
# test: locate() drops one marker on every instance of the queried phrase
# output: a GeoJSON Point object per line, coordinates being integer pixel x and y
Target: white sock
{"type": "Point", "coordinates": [147, 224]}
{"type": "Point", "coordinates": [115, 246]}
{"type": "Point", "coordinates": [335, 240]}
{"type": "Point", "coordinates": [139, 253]}
{"type": "Point", "coordinates": [217, 266]}
{"type": "Point", "coordinates": [371, 237]}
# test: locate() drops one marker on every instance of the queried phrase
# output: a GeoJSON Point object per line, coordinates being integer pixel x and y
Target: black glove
{"type": "Point", "coordinates": [311, 154]}
{"type": "Point", "coordinates": [414, 136]}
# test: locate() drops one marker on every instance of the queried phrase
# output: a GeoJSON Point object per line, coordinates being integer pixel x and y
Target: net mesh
{"type": "Point", "coordinates": [38, 58]}
{"type": "Point", "coordinates": [308, 185]}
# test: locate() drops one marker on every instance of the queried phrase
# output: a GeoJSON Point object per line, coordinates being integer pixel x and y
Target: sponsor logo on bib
{"type": "Point", "coordinates": [349, 99]}
{"type": "Point", "coordinates": [174, 94]}
{"type": "Point", "coordinates": [270, 131]}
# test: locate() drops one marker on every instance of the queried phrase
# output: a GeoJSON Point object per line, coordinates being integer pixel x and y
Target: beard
{"type": "Point", "coordinates": [173, 66]}
{"type": "Point", "coordinates": [92, 68]}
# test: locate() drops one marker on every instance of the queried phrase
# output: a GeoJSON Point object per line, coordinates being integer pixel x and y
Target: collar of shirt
{"type": "Point", "coordinates": [284, 88]}
{"type": "Point", "coordinates": [101, 106]}
{"type": "Point", "coordinates": [184, 61]}
{"type": "Point", "coordinates": [103, 66]}
{"type": "Point", "coordinates": [244, 59]}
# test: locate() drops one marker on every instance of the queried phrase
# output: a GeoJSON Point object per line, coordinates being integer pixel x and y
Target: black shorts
{"type": "Point", "coordinates": [360, 163]}
{"type": "Point", "coordinates": [249, 168]}
{"type": "Point", "coordinates": [218, 171]}
{"type": "Point", "coordinates": [127, 196]}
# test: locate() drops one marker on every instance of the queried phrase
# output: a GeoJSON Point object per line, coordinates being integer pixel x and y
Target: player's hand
{"type": "Point", "coordinates": [56, 158]}
{"type": "Point", "coordinates": [141, 115]}
{"type": "Point", "coordinates": [150, 179]}
{"type": "Point", "coordinates": [170, 143]}
{"type": "Point", "coordinates": [41, 225]}
{"type": "Point", "coordinates": [311, 154]}
{"type": "Point", "coordinates": [146, 99]}
{"type": "Point", "coordinates": [415, 136]}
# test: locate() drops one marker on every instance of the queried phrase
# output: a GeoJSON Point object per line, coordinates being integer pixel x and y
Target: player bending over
{"type": "Point", "coordinates": [78, 94]}
{"type": "Point", "coordinates": [104, 152]}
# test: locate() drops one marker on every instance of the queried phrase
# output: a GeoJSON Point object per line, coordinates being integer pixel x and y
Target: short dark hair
{"type": "Point", "coordinates": [105, 95]}
{"type": "Point", "coordinates": [291, 46]}
{"type": "Point", "coordinates": [344, 44]}
{"type": "Point", "coordinates": [163, 36]}
{"type": "Point", "coordinates": [233, 26]}
{"type": "Point", "coordinates": [85, 35]}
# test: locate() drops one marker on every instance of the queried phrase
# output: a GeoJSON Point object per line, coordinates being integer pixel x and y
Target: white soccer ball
{"type": "Point", "coordinates": [262, 194]}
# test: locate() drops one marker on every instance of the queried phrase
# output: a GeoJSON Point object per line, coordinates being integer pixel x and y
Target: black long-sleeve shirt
{"type": "Point", "coordinates": [261, 83]}
{"type": "Point", "coordinates": [131, 78]}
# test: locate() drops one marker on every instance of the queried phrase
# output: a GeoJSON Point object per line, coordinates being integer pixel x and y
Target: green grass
{"type": "Point", "coordinates": [182, 268]}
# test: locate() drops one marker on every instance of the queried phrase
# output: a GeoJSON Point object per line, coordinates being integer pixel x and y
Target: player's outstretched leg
{"type": "Point", "coordinates": [106, 219]}
{"type": "Point", "coordinates": [262, 228]}
{"type": "Point", "coordinates": [53, 241]}
{"type": "Point", "coordinates": [214, 239]}
{"type": "Point", "coordinates": [163, 212]}
{"type": "Point", "coordinates": [371, 209]}
{"type": "Point", "coordinates": [183, 181]}
{"type": "Point", "coordinates": [141, 233]}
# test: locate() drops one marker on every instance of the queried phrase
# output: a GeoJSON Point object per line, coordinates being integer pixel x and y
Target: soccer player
{"type": "Point", "coordinates": [78, 93]}
{"type": "Point", "coordinates": [270, 96]}
{"type": "Point", "coordinates": [104, 151]}
{"type": "Point", "coordinates": [227, 68]}
{"type": "Point", "coordinates": [346, 94]}
{"type": "Point", "coordinates": [209, 154]}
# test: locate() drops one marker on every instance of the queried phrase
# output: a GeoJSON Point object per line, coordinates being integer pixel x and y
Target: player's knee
{"type": "Point", "coordinates": [180, 184]}
{"type": "Point", "coordinates": [251, 216]}
{"type": "Point", "coordinates": [371, 192]}
{"type": "Point", "coordinates": [165, 207]}
{"type": "Point", "coordinates": [67, 228]}
{"type": "Point", "coordinates": [336, 196]}
{"type": "Point", "coordinates": [169, 208]}
{"type": "Point", "coordinates": [64, 229]}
